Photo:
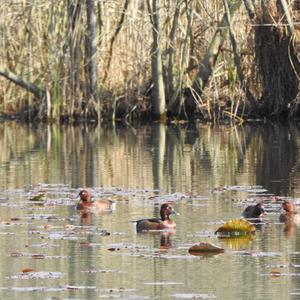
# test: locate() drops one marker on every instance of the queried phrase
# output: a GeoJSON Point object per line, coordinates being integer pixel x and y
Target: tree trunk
{"type": "Point", "coordinates": [113, 38]}
{"type": "Point", "coordinates": [171, 51]}
{"type": "Point", "coordinates": [176, 100]}
{"type": "Point", "coordinates": [91, 55]}
{"type": "Point", "coordinates": [277, 61]}
{"type": "Point", "coordinates": [159, 100]}
{"type": "Point", "coordinates": [237, 60]}
{"type": "Point", "coordinates": [207, 65]}
{"type": "Point", "coordinates": [74, 40]}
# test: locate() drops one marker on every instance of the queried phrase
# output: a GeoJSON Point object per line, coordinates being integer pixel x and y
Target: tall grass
{"type": "Point", "coordinates": [42, 43]}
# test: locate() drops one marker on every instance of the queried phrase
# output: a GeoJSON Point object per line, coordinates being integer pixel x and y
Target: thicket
{"type": "Point", "coordinates": [103, 60]}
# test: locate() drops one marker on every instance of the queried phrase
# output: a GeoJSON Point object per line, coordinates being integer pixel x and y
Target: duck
{"type": "Point", "coordinates": [254, 211]}
{"type": "Point", "coordinates": [290, 218]}
{"type": "Point", "coordinates": [164, 222]}
{"type": "Point", "coordinates": [86, 204]}
{"type": "Point", "coordinates": [290, 211]}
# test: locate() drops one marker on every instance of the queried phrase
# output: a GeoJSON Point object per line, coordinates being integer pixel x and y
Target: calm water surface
{"type": "Point", "coordinates": [210, 173]}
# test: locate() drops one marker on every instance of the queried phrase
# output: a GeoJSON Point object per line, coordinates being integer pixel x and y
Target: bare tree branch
{"type": "Point", "coordinates": [32, 88]}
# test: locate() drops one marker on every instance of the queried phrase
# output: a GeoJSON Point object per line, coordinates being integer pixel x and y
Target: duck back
{"type": "Point", "coordinates": [253, 211]}
{"type": "Point", "coordinates": [149, 224]}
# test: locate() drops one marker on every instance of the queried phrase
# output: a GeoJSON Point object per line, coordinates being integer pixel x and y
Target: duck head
{"type": "Point", "coordinates": [165, 211]}
{"type": "Point", "coordinates": [259, 209]}
{"type": "Point", "coordinates": [289, 207]}
{"type": "Point", "coordinates": [85, 196]}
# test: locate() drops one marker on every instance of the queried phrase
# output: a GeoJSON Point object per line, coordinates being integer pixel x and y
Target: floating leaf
{"type": "Point", "coordinates": [94, 271]}
{"type": "Point", "coordinates": [38, 197]}
{"type": "Point", "coordinates": [275, 273]}
{"type": "Point", "coordinates": [85, 244]}
{"type": "Point", "coordinates": [194, 296]}
{"type": "Point", "coordinates": [205, 247]}
{"type": "Point", "coordinates": [48, 226]}
{"type": "Point", "coordinates": [38, 256]}
{"type": "Point", "coordinates": [27, 270]}
{"type": "Point", "coordinates": [37, 275]}
{"type": "Point", "coordinates": [16, 254]}
{"type": "Point", "coordinates": [236, 227]}
{"type": "Point", "coordinates": [113, 249]}
{"type": "Point", "coordinates": [104, 232]}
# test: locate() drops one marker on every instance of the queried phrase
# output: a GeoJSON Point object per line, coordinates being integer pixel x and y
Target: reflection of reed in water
{"type": "Point", "coordinates": [184, 158]}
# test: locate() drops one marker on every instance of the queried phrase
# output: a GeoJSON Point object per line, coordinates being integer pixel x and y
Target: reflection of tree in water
{"type": "Point", "coordinates": [275, 156]}
{"type": "Point", "coordinates": [186, 158]}
{"type": "Point", "coordinates": [158, 136]}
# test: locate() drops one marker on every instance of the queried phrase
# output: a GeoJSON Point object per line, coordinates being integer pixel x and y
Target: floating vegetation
{"type": "Point", "coordinates": [37, 255]}
{"type": "Point", "coordinates": [241, 188]}
{"type": "Point", "coordinates": [275, 273]}
{"type": "Point", "coordinates": [106, 248]}
{"type": "Point", "coordinates": [260, 254]}
{"type": "Point", "coordinates": [95, 271]}
{"type": "Point", "coordinates": [164, 283]}
{"type": "Point", "coordinates": [26, 270]}
{"type": "Point", "coordinates": [38, 197]}
{"type": "Point", "coordinates": [236, 227]}
{"type": "Point", "coordinates": [32, 274]}
{"type": "Point", "coordinates": [193, 296]}
{"type": "Point", "coordinates": [42, 245]}
{"type": "Point", "coordinates": [47, 289]}
{"type": "Point", "coordinates": [205, 247]}
{"type": "Point", "coordinates": [49, 217]}
{"type": "Point", "coordinates": [113, 249]}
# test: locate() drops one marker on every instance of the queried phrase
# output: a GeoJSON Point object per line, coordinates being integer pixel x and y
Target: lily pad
{"type": "Point", "coordinates": [236, 227]}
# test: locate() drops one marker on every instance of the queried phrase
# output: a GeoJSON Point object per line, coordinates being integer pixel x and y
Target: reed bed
{"type": "Point", "coordinates": [45, 43]}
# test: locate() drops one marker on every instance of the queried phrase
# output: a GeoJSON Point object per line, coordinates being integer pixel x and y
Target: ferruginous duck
{"type": "Point", "coordinates": [164, 222]}
{"type": "Point", "coordinates": [87, 204]}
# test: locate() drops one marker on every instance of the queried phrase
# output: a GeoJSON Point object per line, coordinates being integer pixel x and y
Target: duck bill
{"type": "Point", "coordinates": [263, 214]}
{"type": "Point", "coordinates": [175, 213]}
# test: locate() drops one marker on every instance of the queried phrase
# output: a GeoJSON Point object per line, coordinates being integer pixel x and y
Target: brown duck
{"type": "Point", "coordinates": [164, 222]}
{"type": "Point", "coordinates": [87, 204]}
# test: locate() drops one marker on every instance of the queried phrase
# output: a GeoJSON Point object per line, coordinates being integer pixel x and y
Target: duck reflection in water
{"type": "Point", "coordinates": [165, 240]}
{"type": "Point", "coordinates": [86, 218]}
{"type": "Point", "coordinates": [163, 226]}
{"type": "Point", "coordinates": [290, 218]}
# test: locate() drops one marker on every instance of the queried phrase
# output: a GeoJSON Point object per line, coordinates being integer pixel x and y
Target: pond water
{"type": "Point", "coordinates": [210, 174]}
